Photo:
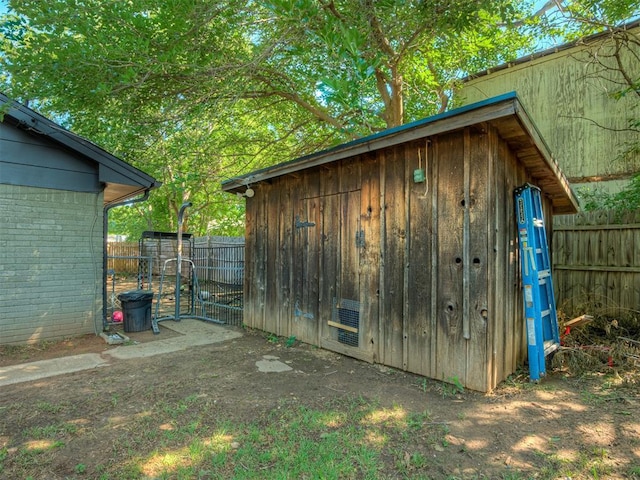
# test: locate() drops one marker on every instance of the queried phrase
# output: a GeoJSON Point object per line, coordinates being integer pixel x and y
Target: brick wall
{"type": "Point", "coordinates": [50, 264]}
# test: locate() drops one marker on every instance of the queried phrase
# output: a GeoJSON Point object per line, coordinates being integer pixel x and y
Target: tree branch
{"type": "Point", "coordinates": [331, 6]}
{"type": "Point", "coordinates": [377, 32]}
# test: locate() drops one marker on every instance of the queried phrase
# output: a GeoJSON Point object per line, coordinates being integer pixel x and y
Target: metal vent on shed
{"type": "Point", "coordinates": [346, 319]}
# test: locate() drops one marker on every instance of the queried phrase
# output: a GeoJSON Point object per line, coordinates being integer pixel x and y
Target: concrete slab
{"type": "Point", "coordinates": [194, 333]}
{"type": "Point", "coordinates": [269, 364]}
{"type": "Point", "coordinates": [27, 372]}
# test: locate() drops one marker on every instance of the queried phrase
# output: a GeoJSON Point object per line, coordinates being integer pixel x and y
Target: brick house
{"type": "Point", "coordinates": [55, 191]}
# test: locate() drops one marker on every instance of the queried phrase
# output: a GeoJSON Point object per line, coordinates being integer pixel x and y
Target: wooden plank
{"type": "Point", "coordinates": [500, 321]}
{"type": "Point", "coordinates": [479, 230]}
{"type": "Point", "coordinates": [451, 346]}
{"type": "Point", "coordinates": [250, 259]}
{"type": "Point", "coordinates": [349, 177]}
{"type": "Point", "coordinates": [408, 323]}
{"type": "Point", "coordinates": [341, 326]}
{"type": "Point", "coordinates": [466, 226]}
{"type": "Point", "coordinates": [304, 324]}
{"type": "Point", "coordinates": [272, 295]}
{"type": "Point", "coordinates": [517, 176]}
{"type": "Point", "coordinates": [576, 322]}
{"type": "Point", "coordinates": [284, 258]}
{"type": "Point", "coordinates": [509, 329]}
{"type": "Point", "coordinates": [420, 233]}
{"type": "Point", "coordinates": [300, 248]}
{"type": "Point", "coordinates": [259, 268]}
{"type": "Point", "coordinates": [309, 322]}
{"type": "Point", "coordinates": [432, 324]}
{"type": "Point", "coordinates": [394, 238]}
{"type": "Point", "coordinates": [349, 266]}
{"type": "Point", "coordinates": [626, 226]}
{"type": "Point", "coordinates": [597, 268]}
{"type": "Point", "coordinates": [382, 292]}
{"type": "Point", "coordinates": [330, 261]}
{"type": "Point", "coordinates": [370, 254]}
{"type": "Point", "coordinates": [343, 349]}
{"type": "Point", "coordinates": [329, 231]}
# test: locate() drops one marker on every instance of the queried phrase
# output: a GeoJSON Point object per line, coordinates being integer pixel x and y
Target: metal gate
{"type": "Point", "coordinates": [219, 269]}
{"type": "Point", "coordinates": [220, 273]}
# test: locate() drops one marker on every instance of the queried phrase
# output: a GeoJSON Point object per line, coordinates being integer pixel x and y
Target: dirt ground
{"type": "Point", "coordinates": [590, 423]}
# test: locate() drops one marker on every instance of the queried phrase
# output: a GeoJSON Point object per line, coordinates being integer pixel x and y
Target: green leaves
{"type": "Point", "coordinates": [197, 91]}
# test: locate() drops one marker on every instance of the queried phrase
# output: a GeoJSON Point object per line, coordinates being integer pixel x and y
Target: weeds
{"type": "Point", "coordinates": [451, 387]}
{"type": "Point", "coordinates": [51, 431]}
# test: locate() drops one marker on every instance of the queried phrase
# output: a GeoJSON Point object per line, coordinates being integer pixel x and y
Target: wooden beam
{"type": "Point", "coordinates": [581, 320]}
{"type": "Point", "coordinates": [341, 326]}
{"type": "Point", "coordinates": [597, 268]}
{"type": "Point", "coordinates": [627, 226]}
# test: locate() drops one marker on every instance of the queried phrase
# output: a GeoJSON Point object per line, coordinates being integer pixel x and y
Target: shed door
{"type": "Point", "coordinates": [329, 253]}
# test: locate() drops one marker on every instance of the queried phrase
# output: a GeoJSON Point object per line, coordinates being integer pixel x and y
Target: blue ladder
{"type": "Point", "coordinates": [543, 337]}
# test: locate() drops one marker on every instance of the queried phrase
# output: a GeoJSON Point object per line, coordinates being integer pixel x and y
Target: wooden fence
{"type": "Point", "coordinates": [122, 257]}
{"type": "Point", "coordinates": [596, 261]}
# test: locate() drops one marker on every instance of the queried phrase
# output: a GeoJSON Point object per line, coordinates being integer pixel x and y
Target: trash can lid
{"type": "Point", "coordinates": [135, 295]}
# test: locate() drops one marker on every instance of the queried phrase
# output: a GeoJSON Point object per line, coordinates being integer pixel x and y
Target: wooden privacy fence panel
{"type": "Point", "coordinates": [123, 257]}
{"type": "Point", "coordinates": [596, 261]}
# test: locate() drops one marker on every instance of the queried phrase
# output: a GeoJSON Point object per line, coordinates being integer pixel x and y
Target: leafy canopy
{"type": "Point", "coordinates": [197, 91]}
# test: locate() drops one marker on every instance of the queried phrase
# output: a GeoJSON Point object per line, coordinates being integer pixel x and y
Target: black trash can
{"type": "Point", "coordinates": [136, 310]}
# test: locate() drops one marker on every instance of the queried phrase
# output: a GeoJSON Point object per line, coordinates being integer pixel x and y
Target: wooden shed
{"type": "Point", "coordinates": [401, 248]}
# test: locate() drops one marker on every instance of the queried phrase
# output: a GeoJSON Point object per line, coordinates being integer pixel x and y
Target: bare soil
{"type": "Point", "coordinates": [588, 424]}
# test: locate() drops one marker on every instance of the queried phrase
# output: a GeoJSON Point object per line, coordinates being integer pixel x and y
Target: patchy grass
{"type": "Point", "coordinates": [351, 438]}
{"type": "Point", "coordinates": [208, 414]}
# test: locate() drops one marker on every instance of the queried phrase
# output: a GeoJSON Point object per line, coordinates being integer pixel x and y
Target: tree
{"type": "Point", "coordinates": [616, 66]}
{"type": "Point", "coordinates": [196, 91]}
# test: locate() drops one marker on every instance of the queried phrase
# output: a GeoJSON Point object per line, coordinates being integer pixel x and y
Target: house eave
{"type": "Point", "coordinates": [120, 180]}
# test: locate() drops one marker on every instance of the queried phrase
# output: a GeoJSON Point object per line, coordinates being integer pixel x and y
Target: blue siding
{"type": "Point", "coordinates": [28, 161]}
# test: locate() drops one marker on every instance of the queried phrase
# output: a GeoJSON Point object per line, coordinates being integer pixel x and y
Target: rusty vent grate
{"type": "Point", "coordinates": [346, 319]}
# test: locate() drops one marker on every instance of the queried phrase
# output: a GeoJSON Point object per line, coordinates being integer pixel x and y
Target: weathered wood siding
{"type": "Point", "coordinates": [568, 96]}
{"type": "Point", "coordinates": [432, 265]}
{"type": "Point", "coordinates": [596, 261]}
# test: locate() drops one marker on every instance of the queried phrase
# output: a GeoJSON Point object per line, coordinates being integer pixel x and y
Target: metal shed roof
{"type": "Point", "coordinates": [121, 180]}
{"type": "Point", "coordinates": [504, 112]}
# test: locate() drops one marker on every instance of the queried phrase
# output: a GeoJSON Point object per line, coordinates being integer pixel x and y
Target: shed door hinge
{"type": "Point", "coordinates": [301, 224]}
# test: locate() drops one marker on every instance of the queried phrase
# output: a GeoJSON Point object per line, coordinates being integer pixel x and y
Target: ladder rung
{"type": "Point", "coordinates": [538, 223]}
{"type": "Point", "coordinates": [549, 347]}
{"type": "Point", "coordinates": [545, 313]}
{"type": "Point", "coordinates": [544, 273]}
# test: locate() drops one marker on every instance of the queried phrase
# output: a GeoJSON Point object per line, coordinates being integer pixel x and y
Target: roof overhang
{"type": "Point", "coordinates": [121, 181]}
{"type": "Point", "coordinates": [579, 43]}
{"type": "Point", "coordinates": [504, 112]}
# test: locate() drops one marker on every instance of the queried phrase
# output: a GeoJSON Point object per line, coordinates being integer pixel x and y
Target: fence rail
{"type": "Point", "coordinates": [596, 261]}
